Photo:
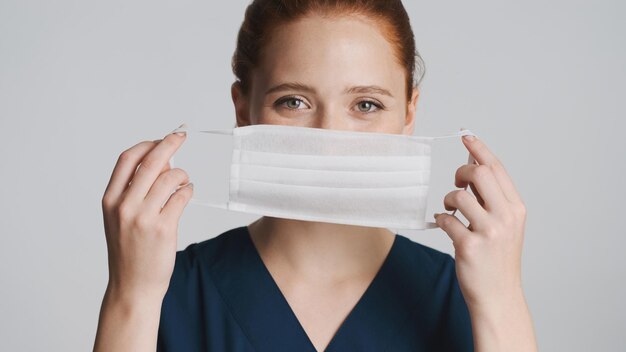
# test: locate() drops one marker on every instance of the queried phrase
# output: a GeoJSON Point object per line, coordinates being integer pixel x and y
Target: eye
{"type": "Point", "coordinates": [291, 103]}
{"type": "Point", "coordinates": [367, 106]}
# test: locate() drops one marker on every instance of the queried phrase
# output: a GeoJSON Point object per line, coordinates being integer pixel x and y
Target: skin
{"type": "Point", "coordinates": [322, 269]}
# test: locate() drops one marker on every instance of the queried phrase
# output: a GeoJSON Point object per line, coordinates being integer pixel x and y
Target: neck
{"type": "Point", "coordinates": [320, 250]}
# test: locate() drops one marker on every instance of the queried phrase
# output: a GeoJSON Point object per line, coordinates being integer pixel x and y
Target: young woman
{"type": "Point", "coordinates": [290, 285]}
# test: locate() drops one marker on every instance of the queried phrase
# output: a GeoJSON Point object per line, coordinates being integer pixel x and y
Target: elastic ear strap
{"type": "Point", "coordinates": [470, 158]}
{"type": "Point", "coordinates": [193, 200]}
{"type": "Point", "coordinates": [461, 133]}
{"type": "Point", "coordinates": [193, 130]}
{"type": "Point", "coordinates": [430, 225]}
{"type": "Point", "coordinates": [208, 203]}
{"type": "Point", "coordinates": [470, 161]}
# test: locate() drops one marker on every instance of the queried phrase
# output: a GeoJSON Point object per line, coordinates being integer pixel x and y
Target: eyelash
{"type": "Point", "coordinates": [283, 100]}
{"type": "Point", "coordinates": [378, 105]}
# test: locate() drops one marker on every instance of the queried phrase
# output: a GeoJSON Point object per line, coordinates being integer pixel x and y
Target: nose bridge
{"type": "Point", "coordinates": [330, 116]}
{"type": "Point", "coordinates": [325, 120]}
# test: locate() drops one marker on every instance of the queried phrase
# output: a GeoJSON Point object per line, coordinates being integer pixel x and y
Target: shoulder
{"type": "Point", "coordinates": [193, 278]}
{"type": "Point", "coordinates": [204, 254]}
{"type": "Point", "coordinates": [193, 314]}
{"type": "Point", "coordinates": [433, 268]}
{"type": "Point", "coordinates": [441, 312]}
{"type": "Point", "coordinates": [436, 262]}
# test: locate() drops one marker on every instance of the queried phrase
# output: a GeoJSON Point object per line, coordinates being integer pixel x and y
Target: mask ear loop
{"type": "Point", "coordinates": [470, 160]}
{"type": "Point", "coordinates": [196, 201]}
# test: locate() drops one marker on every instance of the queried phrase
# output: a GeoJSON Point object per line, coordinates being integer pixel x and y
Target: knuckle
{"type": "Point", "coordinates": [491, 232]}
{"type": "Point", "coordinates": [459, 172]}
{"type": "Point", "coordinates": [460, 196]}
{"type": "Point", "coordinates": [168, 177]}
{"type": "Point", "coordinates": [467, 244]}
{"type": "Point", "coordinates": [497, 164]}
{"type": "Point", "coordinates": [458, 176]}
{"type": "Point", "coordinates": [481, 172]}
{"type": "Point", "coordinates": [179, 197]}
{"type": "Point", "coordinates": [148, 164]}
{"type": "Point", "coordinates": [180, 173]}
{"type": "Point", "coordinates": [174, 176]}
{"type": "Point", "coordinates": [143, 222]}
{"type": "Point", "coordinates": [124, 210]}
{"type": "Point", "coordinates": [521, 209]}
{"type": "Point", "coordinates": [161, 227]}
{"type": "Point", "coordinates": [132, 152]}
{"type": "Point", "coordinates": [446, 221]}
{"type": "Point", "coordinates": [107, 201]}
{"type": "Point", "coordinates": [125, 156]}
{"type": "Point", "coordinates": [509, 218]}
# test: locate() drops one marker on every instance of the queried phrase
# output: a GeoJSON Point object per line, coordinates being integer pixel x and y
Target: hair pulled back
{"type": "Point", "coordinates": [263, 16]}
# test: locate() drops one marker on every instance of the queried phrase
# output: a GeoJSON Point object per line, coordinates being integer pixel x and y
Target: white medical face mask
{"type": "Point", "coordinates": [313, 174]}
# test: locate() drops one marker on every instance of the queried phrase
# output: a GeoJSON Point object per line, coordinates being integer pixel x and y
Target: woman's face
{"type": "Point", "coordinates": [335, 73]}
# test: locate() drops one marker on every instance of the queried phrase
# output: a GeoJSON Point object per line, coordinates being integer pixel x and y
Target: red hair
{"type": "Point", "coordinates": [263, 16]}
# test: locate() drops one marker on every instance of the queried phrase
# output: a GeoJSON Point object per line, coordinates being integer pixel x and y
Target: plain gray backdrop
{"type": "Point", "coordinates": [541, 82]}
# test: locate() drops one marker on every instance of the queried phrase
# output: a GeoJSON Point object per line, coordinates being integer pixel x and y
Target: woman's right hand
{"type": "Point", "coordinates": [142, 235]}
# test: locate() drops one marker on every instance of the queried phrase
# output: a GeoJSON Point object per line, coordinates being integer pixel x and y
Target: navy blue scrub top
{"type": "Point", "coordinates": [222, 298]}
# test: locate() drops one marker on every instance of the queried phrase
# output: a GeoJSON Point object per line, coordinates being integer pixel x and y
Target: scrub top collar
{"type": "Point", "coordinates": [265, 317]}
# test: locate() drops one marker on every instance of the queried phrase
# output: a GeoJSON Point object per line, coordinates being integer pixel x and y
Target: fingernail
{"type": "Point", "coordinates": [180, 133]}
{"type": "Point", "coordinates": [436, 214]}
{"type": "Point", "coordinates": [190, 185]}
{"type": "Point", "coordinates": [469, 138]}
{"type": "Point", "coordinates": [156, 140]}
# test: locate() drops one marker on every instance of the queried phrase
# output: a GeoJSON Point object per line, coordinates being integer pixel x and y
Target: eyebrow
{"type": "Point", "coordinates": [368, 89]}
{"type": "Point", "coordinates": [306, 88]}
{"type": "Point", "coordinates": [290, 86]}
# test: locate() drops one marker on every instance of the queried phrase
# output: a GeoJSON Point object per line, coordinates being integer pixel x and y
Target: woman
{"type": "Point", "coordinates": [290, 285]}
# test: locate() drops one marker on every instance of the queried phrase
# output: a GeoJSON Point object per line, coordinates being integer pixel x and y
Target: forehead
{"type": "Point", "coordinates": [331, 52]}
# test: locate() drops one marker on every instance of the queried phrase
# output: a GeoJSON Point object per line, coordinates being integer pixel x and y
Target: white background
{"type": "Point", "coordinates": [542, 82]}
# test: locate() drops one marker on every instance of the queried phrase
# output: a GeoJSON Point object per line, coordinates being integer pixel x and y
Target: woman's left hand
{"type": "Point", "coordinates": [488, 251]}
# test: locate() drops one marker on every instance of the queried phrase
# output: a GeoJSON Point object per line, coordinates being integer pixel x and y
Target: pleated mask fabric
{"type": "Point", "coordinates": [313, 174]}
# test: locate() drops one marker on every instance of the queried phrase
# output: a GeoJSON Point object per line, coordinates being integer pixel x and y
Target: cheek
{"type": "Point", "coordinates": [389, 122]}
{"type": "Point", "coordinates": [260, 114]}
{"type": "Point", "coordinates": [266, 115]}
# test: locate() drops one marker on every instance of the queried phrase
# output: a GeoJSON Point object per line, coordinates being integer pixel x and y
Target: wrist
{"type": "Point", "coordinates": [132, 300]}
{"type": "Point", "coordinates": [128, 321]}
{"type": "Point", "coordinates": [504, 302]}
{"type": "Point", "coordinates": [501, 314]}
{"type": "Point", "coordinates": [503, 324]}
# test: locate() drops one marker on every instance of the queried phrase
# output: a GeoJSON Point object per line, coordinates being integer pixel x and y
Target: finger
{"type": "Point", "coordinates": [163, 187]}
{"type": "Point", "coordinates": [151, 166]}
{"type": "Point", "coordinates": [480, 199]}
{"type": "Point", "coordinates": [455, 229]}
{"type": "Point", "coordinates": [484, 156]}
{"type": "Point", "coordinates": [125, 168]}
{"type": "Point", "coordinates": [177, 202]}
{"type": "Point", "coordinates": [466, 204]}
{"type": "Point", "coordinates": [483, 178]}
{"type": "Point", "coordinates": [167, 165]}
